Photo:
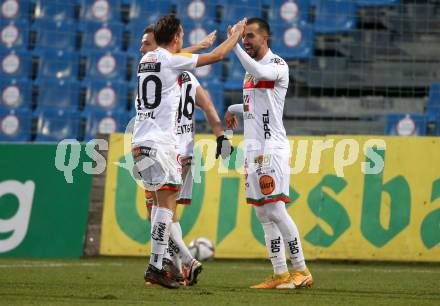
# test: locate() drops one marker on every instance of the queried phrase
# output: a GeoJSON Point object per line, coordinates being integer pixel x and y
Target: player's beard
{"type": "Point", "coordinates": [253, 51]}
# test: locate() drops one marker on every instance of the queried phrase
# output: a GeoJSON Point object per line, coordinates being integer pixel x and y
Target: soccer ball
{"type": "Point", "coordinates": [202, 249]}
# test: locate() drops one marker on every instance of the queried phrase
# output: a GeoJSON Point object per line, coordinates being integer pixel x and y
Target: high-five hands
{"type": "Point", "coordinates": [208, 40]}
{"type": "Point", "coordinates": [238, 27]}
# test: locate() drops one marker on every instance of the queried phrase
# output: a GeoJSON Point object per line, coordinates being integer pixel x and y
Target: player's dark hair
{"type": "Point", "coordinates": [149, 29]}
{"type": "Point", "coordinates": [166, 28]}
{"type": "Point", "coordinates": [262, 24]}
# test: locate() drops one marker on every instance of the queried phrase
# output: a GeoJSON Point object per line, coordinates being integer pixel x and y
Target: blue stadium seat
{"type": "Point", "coordinates": [195, 31]}
{"type": "Point", "coordinates": [15, 93]}
{"type": "Point", "coordinates": [101, 36]}
{"type": "Point", "coordinates": [57, 10]}
{"type": "Point", "coordinates": [215, 90]}
{"type": "Point", "coordinates": [14, 64]}
{"type": "Point", "coordinates": [15, 125]}
{"type": "Point", "coordinates": [101, 10]}
{"type": "Point", "coordinates": [58, 93]}
{"type": "Point", "coordinates": [234, 10]}
{"type": "Point", "coordinates": [197, 10]}
{"type": "Point", "coordinates": [106, 65]}
{"type": "Point", "coordinates": [288, 12]}
{"type": "Point", "coordinates": [59, 35]}
{"type": "Point", "coordinates": [106, 95]}
{"type": "Point", "coordinates": [136, 31]}
{"type": "Point", "coordinates": [134, 66]}
{"type": "Point", "coordinates": [145, 12]}
{"type": "Point", "coordinates": [235, 74]}
{"type": "Point", "coordinates": [57, 64]}
{"type": "Point", "coordinates": [433, 105]}
{"type": "Point", "coordinates": [57, 124]}
{"type": "Point", "coordinates": [16, 9]}
{"type": "Point", "coordinates": [377, 2]}
{"type": "Point", "coordinates": [131, 92]}
{"type": "Point", "coordinates": [293, 42]}
{"type": "Point", "coordinates": [406, 124]}
{"type": "Point", "coordinates": [335, 16]}
{"type": "Point", "coordinates": [103, 122]}
{"type": "Point", "coordinates": [14, 34]}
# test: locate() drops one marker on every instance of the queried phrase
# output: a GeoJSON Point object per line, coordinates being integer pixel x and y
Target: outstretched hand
{"type": "Point", "coordinates": [208, 40]}
{"type": "Point", "coordinates": [229, 31]}
{"type": "Point", "coordinates": [239, 26]}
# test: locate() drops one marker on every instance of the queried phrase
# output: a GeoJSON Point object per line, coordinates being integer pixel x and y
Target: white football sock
{"type": "Point", "coordinates": [181, 250]}
{"type": "Point", "coordinates": [278, 214]}
{"type": "Point", "coordinates": [274, 241]}
{"type": "Point", "coordinates": [160, 234]}
{"type": "Point", "coordinates": [174, 252]}
{"type": "Point", "coordinates": [275, 247]}
{"type": "Point", "coordinates": [153, 213]}
{"type": "Point", "coordinates": [167, 254]}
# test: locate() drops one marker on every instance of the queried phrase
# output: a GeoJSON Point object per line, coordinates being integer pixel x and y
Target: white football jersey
{"type": "Point", "coordinates": [158, 95]}
{"type": "Point", "coordinates": [263, 104]}
{"type": "Point", "coordinates": [186, 113]}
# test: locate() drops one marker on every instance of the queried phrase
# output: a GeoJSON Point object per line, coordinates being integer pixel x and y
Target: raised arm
{"type": "Point", "coordinates": [224, 48]}
{"type": "Point", "coordinates": [204, 44]}
{"type": "Point", "coordinates": [260, 72]}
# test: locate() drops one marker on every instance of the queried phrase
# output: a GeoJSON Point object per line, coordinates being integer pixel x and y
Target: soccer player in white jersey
{"type": "Point", "coordinates": [192, 94]}
{"type": "Point", "coordinates": [155, 145]}
{"type": "Point", "coordinates": [268, 153]}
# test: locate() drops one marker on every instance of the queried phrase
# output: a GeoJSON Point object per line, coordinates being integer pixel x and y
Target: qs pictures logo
{"type": "Point", "coordinates": [13, 228]}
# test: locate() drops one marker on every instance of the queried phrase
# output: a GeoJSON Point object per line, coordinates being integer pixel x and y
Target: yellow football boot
{"type": "Point", "coordinates": [274, 281]}
{"type": "Point", "coordinates": [298, 279]}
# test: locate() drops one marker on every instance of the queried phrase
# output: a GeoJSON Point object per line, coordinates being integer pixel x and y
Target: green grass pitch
{"type": "Point", "coordinates": [119, 281]}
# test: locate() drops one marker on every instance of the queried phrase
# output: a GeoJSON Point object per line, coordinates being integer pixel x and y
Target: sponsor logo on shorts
{"type": "Point", "coordinates": [267, 184]}
{"type": "Point", "coordinates": [263, 161]}
{"type": "Point", "coordinates": [144, 151]}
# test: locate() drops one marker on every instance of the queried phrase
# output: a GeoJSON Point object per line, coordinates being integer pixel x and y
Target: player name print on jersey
{"type": "Point", "coordinates": [185, 112]}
